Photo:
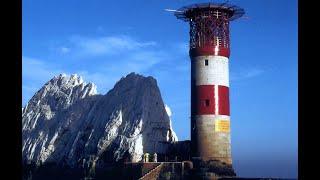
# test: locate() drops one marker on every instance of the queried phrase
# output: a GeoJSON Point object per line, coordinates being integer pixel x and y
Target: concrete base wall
{"type": "Point", "coordinates": [209, 144]}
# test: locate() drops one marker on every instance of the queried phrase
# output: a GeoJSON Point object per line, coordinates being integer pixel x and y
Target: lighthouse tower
{"type": "Point", "coordinates": [209, 53]}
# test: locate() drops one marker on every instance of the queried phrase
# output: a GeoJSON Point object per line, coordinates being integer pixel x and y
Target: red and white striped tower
{"type": "Point", "coordinates": [209, 53]}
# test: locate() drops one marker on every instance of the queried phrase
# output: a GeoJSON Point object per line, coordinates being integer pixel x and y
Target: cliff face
{"type": "Point", "coordinates": [66, 121]}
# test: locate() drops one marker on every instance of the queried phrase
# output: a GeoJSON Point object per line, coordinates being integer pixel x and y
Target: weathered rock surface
{"type": "Point", "coordinates": [67, 121]}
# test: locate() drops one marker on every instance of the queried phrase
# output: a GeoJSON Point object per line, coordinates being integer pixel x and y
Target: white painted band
{"type": "Point", "coordinates": [211, 117]}
{"type": "Point", "coordinates": [216, 72]}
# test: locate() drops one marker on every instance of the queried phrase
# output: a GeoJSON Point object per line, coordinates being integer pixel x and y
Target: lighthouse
{"type": "Point", "coordinates": [209, 53]}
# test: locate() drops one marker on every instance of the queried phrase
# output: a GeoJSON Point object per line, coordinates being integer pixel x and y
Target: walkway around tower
{"type": "Point", "coordinates": [157, 170]}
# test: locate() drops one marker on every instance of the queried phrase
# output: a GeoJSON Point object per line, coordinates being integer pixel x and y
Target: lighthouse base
{"type": "Point", "coordinates": [212, 169]}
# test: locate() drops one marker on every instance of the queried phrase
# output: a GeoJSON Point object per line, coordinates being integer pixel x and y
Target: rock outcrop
{"type": "Point", "coordinates": [66, 121]}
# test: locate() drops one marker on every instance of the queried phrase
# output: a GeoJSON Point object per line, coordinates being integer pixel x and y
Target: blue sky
{"type": "Point", "coordinates": [103, 41]}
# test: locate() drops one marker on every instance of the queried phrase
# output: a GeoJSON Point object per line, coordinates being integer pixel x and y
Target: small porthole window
{"type": "Point", "coordinates": [206, 62]}
{"type": "Point", "coordinates": [207, 102]}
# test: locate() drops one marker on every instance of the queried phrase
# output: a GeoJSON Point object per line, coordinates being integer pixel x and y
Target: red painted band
{"type": "Point", "coordinates": [209, 50]}
{"type": "Point", "coordinates": [203, 100]}
{"type": "Point", "coordinates": [224, 108]}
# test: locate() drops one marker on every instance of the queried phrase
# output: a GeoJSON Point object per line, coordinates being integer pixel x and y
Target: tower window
{"type": "Point", "coordinates": [207, 102]}
{"type": "Point", "coordinates": [206, 62]}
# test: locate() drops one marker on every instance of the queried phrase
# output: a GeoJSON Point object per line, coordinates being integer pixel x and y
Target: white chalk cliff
{"type": "Point", "coordinates": [66, 121]}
